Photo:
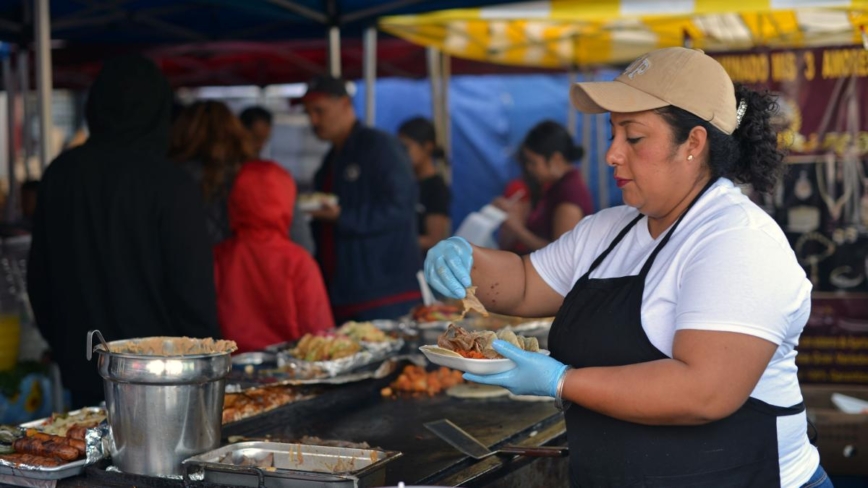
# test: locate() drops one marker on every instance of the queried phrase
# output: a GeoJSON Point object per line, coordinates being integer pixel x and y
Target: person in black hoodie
{"type": "Point", "coordinates": [119, 239]}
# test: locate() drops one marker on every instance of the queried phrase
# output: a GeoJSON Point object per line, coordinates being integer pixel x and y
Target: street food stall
{"type": "Point", "coordinates": [358, 406]}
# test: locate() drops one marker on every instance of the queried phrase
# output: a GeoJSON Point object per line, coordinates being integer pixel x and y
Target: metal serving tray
{"type": "Point", "coordinates": [295, 466]}
{"type": "Point", "coordinates": [67, 470]}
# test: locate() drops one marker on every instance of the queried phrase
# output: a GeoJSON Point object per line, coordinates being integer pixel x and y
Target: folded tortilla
{"type": "Point", "coordinates": [470, 302]}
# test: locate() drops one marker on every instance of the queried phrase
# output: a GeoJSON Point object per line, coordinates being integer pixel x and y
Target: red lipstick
{"type": "Point", "coordinates": [621, 182]}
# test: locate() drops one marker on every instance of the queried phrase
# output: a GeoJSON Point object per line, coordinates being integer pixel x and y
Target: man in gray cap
{"type": "Point", "coordinates": [366, 245]}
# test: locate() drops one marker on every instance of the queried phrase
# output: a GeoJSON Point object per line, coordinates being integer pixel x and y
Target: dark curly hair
{"type": "Point", "coordinates": [750, 154]}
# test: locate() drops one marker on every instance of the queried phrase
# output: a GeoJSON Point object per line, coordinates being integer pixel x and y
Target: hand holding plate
{"type": "Point", "coordinates": [534, 373]}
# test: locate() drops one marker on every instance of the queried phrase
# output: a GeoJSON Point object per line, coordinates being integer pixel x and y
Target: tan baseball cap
{"type": "Point", "coordinates": [686, 78]}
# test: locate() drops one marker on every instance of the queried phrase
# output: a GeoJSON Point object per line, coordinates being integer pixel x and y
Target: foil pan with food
{"type": "Point", "coordinates": [372, 338]}
{"type": "Point", "coordinates": [56, 447]}
{"type": "Point", "coordinates": [256, 401]}
{"type": "Point", "coordinates": [278, 464]}
{"type": "Point", "coordinates": [323, 356]}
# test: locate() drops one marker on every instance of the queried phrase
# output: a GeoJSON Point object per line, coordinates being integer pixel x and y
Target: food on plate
{"type": "Point", "coordinates": [436, 313]}
{"type": "Point", "coordinates": [33, 460]}
{"type": "Point", "coordinates": [416, 380]}
{"type": "Point", "coordinates": [478, 344]}
{"type": "Point", "coordinates": [46, 448]}
{"type": "Point", "coordinates": [315, 200]}
{"type": "Point", "coordinates": [52, 442]}
{"type": "Point", "coordinates": [242, 405]}
{"type": "Point", "coordinates": [72, 424]}
{"type": "Point", "coordinates": [325, 348]}
{"type": "Point", "coordinates": [64, 440]}
{"type": "Point", "coordinates": [471, 303]}
{"type": "Point", "coordinates": [8, 434]}
{"type": "Point", "coordinates": [363, 331]}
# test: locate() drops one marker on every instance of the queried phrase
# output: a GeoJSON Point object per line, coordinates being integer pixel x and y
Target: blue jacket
{"type": "Point", "coordinates": [376, 242]}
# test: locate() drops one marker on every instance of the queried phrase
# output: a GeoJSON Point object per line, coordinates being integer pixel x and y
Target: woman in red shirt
{"type": "Point", "coordinates": [547, 153]}
{"type": "Point", "coordinates": [269, 289]}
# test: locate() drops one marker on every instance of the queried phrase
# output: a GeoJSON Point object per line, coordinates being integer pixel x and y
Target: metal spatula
{"type": "Point", "coordinates": [466, 443]}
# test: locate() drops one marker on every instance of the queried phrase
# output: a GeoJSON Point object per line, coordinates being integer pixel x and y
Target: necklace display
{"type": "Point", "coordinates": [803, 189]}
{"type": "Point", "coordinates": [812, 260]}
{"type": "Point", "coordinates": [827, 185]}
{"type": "Point", "coordinates": [838, 277]}
{"type": "Point", "coordinates": [803, 218]}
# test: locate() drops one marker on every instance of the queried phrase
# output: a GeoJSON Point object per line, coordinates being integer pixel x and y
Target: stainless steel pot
{"type": "Point", "coordinates": [162, 409]}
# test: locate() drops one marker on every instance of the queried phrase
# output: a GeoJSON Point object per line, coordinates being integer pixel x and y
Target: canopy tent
{"type": "Point", "coordinates": [577, 33]}
{"type": "Point", "coordinates": [48, 24]}
{"type": "Point", "coordinates": [175, 21]}
{"type": "Point", "coordinates": [261, 63]}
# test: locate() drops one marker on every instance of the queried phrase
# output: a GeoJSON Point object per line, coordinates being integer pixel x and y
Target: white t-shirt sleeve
{"type": "Point", "coordinates": [562, 262]}
{"type": "Point", "coordinates": [744, 281]}
{"type": "Point", "coordinates": [556, 262]}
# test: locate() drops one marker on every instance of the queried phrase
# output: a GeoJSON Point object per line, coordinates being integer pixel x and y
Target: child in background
{"type": "Point", "coordinates": [269, 289]}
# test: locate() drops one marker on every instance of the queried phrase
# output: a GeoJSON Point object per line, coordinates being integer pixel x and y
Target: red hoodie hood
{"type": "Point", "coordinates": [262, 199]}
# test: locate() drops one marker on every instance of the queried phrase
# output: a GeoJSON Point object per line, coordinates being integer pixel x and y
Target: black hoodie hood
{"type": "Point", "coordinates": [130, 103]}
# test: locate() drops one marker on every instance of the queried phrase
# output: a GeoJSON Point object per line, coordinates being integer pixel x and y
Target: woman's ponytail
{"type": "Point", "coordinates": [760, 162]}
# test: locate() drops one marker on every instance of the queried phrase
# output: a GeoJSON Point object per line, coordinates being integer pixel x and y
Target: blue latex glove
{"type": "Point", "coordinates": [534, 373]}
{"type": "Point", "coordinates": [447, 266]}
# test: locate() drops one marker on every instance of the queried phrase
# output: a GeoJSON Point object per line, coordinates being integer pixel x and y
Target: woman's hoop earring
{"type": "Point", "coordinates": [690, 157]}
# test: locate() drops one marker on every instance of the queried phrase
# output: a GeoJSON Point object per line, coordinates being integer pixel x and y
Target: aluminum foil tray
{"type": "Point", "coordinates": [370, 354]}
{"type": "Point", "coordinates": [292, 466]}
{"type": "Point", "coordinates": [72, 468]}
{"type": "Point", "coordinates": [382, 350]}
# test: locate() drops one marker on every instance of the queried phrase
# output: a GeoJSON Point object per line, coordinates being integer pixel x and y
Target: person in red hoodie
{"type": "Point", "coordinates": [269, 289]}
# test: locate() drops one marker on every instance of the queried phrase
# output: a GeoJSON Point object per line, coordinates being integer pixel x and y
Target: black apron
{"type": "Point", "coordinates": [600, 324]}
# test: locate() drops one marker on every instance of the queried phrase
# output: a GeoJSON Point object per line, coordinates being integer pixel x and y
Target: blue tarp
{"type": "Point", "coordinates": [490, 116]}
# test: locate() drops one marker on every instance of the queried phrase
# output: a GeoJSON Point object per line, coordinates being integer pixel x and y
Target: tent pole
{"type": "Point", "coordinates": [435, 66]}
{"type": "Point", "coordinates": [335, 51]}
{"type": "Point", "coordinates": [42, 35]}
{"type": "Point", "coordinates": [446, 127]}
{"type": "Point", "coordinates": [370, 75]}
{"type": "Point", "coordinates": [9, 87]}
{"type": "Point", "coordinates": [572, 118]}
{"type": "Point", "coordinates": [26, 109]}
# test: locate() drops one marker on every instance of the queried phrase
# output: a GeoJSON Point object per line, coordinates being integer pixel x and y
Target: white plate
{"type": "Point", "coordinates": [476, 391]}
{"type": "Point", "coordinates": [848, 404]}
{"type": "Point", "coordinates": [313, 204]}
{"type": "Point", "coordinates": [530, 398]}
{"type": "Point", "coordinates": [475, 366]}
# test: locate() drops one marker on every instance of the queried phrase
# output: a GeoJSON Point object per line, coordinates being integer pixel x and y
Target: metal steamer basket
{"type": "Point", "coordinates": [161, 409]}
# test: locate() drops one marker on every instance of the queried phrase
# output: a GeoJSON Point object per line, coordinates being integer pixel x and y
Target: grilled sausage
{"type": "Point", "coordinates": [78, 444]}
{"type": "Point", "coordinates": [30, 445]}
{"type": "Point", "coordinates": [77, 432]}
{"type": "Point", "coordinates": [32, 460]}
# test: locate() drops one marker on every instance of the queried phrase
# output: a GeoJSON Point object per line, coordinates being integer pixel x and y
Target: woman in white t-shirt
{"type": "Point", "coordinates": [678, 313]}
